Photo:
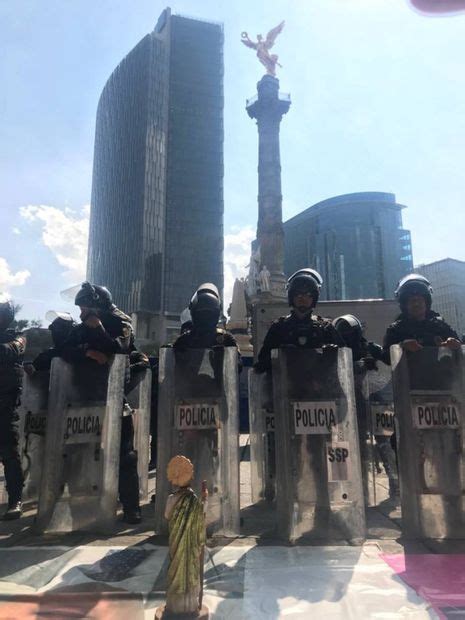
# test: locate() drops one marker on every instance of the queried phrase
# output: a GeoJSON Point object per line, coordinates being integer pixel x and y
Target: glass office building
{"type": "Point", "coordinates": [156, 222]}
{"type": "Point", "coordinates": [357, 243]}
{"type": "Point", "coordinates": [447, 277]}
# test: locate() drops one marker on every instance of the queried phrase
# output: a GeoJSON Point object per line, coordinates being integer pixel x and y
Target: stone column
{"type": "Point", "coordinates": [268, 109]}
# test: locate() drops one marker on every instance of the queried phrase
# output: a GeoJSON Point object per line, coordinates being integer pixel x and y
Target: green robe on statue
{"type": "Point", "coordinates": [185, 512]}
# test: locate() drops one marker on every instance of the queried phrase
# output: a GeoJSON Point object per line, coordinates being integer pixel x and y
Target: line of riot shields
{"type": "Point", "coordinates": [329, 440]}
{"type": "Point", "coordinates": [69, 426]}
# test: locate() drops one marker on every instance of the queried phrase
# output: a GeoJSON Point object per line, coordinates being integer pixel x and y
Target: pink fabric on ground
{"type": "Point", "coordinates": [438, 578]}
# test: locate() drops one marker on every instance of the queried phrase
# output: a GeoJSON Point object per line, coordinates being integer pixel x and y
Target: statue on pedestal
{"type": "Point", "coordinates": [264, 278]}
{"type": "Point", "coordinates": [185, 513]}
{"type": "Point", "coordinates": [262, 46]}
{"type": "Point", "coordinates": [252, 280]}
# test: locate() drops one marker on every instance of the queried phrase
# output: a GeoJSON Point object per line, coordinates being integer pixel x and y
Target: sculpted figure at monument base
{"type": "Point", "coordinates": [185, 512]}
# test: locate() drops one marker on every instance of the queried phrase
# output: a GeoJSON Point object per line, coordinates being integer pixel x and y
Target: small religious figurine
{"type": "Point", "coordinates": [185, 513]}
{"type": "Point", "coordinates": [264, 278]}
{"type": "Point", "coordinates": [262, 46]}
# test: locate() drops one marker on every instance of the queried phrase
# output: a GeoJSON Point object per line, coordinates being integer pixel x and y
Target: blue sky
{"type": "Point", "coordinates": [378, 104]}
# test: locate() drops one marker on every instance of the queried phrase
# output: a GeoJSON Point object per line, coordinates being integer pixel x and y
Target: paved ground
{"type": "Point", "coordinates": [253, 576]}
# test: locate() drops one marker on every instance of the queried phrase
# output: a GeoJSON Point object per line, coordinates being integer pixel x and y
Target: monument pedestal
{"type": "Point", "coordinates": [268, 108]}
{"type": "Point", "coordinates": [162, 614]}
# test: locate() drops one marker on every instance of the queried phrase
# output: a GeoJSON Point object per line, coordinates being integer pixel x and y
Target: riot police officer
{"type": "Point", "coordinates": [104, 331]}
{"type": "Point", "coordinates": [417, 326]}
{"type": "Point", "coordinates": [61, 328]}
{"type": "Point", "coordinates": [350, 330]}
{"type": "Point", "coordinates": [300, 328]}
{"type": "Point", "coordinates": [12, 346]}
{"type": "Point", "coordinates": [364, 355]}
{"type": "Point", "coordinates": [205, 310]}
{"type": "Point", "coordinates": [104, 328]}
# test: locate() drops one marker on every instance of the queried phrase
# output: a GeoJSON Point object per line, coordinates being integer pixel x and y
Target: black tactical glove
{"type": "Point", "coordinates": [375, 350]}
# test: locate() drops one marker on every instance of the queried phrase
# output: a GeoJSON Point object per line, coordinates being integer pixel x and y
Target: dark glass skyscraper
{"type": "Point", "coordinates": [156, 222]}
{"type": "Point", "coordinates": [355, 241]}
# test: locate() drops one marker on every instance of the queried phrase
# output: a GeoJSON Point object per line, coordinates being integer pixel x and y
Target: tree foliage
{"type": "Point", "coordinates": [22, 324]}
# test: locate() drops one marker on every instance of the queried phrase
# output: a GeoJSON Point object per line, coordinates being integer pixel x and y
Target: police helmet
{"type": "Point", "coordinates": [205, 306]}
{"type": "Point", "coordinates": [7, 310]}
{"type": "Point", "coordinates": [93, 296]}
{"type": "Point", "coordinates": [348, 327]}
{"type": "Point", "coordinates": [305, 280]}
{"type": "Point", "coordinates": [61, 325]}
{"type": "Point", "coordinates": [414, 284]}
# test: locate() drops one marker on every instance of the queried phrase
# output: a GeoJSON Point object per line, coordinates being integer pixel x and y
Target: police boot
{"type": "Point", "coordinates": [14, 511]}
{"type": "Point", "coordinates": [132, 515]}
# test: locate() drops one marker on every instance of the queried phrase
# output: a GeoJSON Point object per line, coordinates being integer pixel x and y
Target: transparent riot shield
{"type": "Point", "coordinates": [33, 424]}
{"type": "Point", "coordinates": [375, 419]}
{"type": "Point", "coordinates": [139, 401]}
{"type": "Point", "coordinates": [198, 418]}
{"type": "Point", "coordinates": [319, 491]}
{"type": "Point", "coordinates": [429, 402]}
{"type": "Point", "coordinates": [32, 413]}
{"type": "Point", "coordinates": [262, 437]}
{"type": "Point", "coordinates": [79, 481]}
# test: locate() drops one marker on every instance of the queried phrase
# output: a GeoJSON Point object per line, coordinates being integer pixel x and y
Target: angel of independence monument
{"type": "Point", "coordinates": [266, 280]}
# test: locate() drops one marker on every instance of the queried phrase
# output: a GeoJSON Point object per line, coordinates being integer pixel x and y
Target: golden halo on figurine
{"type": "Point", "coordinates": [180, 471]}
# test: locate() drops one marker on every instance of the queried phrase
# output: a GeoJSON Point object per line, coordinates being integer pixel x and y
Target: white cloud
{"type": "Point", "coordinates": [9, 279]}
{"type": "Point", "coordinates": [16, 231]}
{"type": "Point", "coordinates": [65, 233]}
{"type": "Point", "coordinates": [236, 258]}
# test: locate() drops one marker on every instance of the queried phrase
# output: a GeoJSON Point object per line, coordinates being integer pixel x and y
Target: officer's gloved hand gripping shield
{"type": "Point", "coordinates": [198, 418]}
{"type": "Point", "coordinates": [319, 491]}
{"type": "Point", "coordinates": [80, 472]}
{"type": "Point", "coordinates": [429, 400]}
{"type": "Point", "coordinates": [33, 414]}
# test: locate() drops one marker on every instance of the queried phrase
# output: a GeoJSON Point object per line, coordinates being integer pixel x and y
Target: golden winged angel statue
{"type": "Point", "coordinates": [263, 46]}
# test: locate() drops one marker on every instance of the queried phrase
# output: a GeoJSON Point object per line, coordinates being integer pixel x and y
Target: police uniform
{"type": "Point", "coordinates": [138, 364]}
{"type": "Point", "coordinates": [60, 328]}
{"type": "Point", "coordinates": [12, 347]}
{"type": "Point", "coordinates": [114, 336]}
{"type": "Point", "coordinates": [204, 339]}
{"type": "Point", "coordinates": [428, 332]}
{"type": "Point", "coordinates": [309, 332]}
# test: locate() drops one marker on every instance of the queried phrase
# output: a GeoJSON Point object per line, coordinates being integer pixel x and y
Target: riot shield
{"type": "Point", "coordinates": [262, 437]}
{"type": "Point", "coordinates": [375, 419]}
{"type": "Point", "coordinates": [79, 481]}
{"type": "Point", "coordinates": [32, 428]}
{"type": "Point", "coordinates": [429, 402]}
{"type": "Point", "coordinates": [198, 418]}
{"type": "Point", "coordinates": [139, 401]}
{"type": "Point", "coordinates": [319, 490]}
{"type": "Point", "coordinates": [32, 413]}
